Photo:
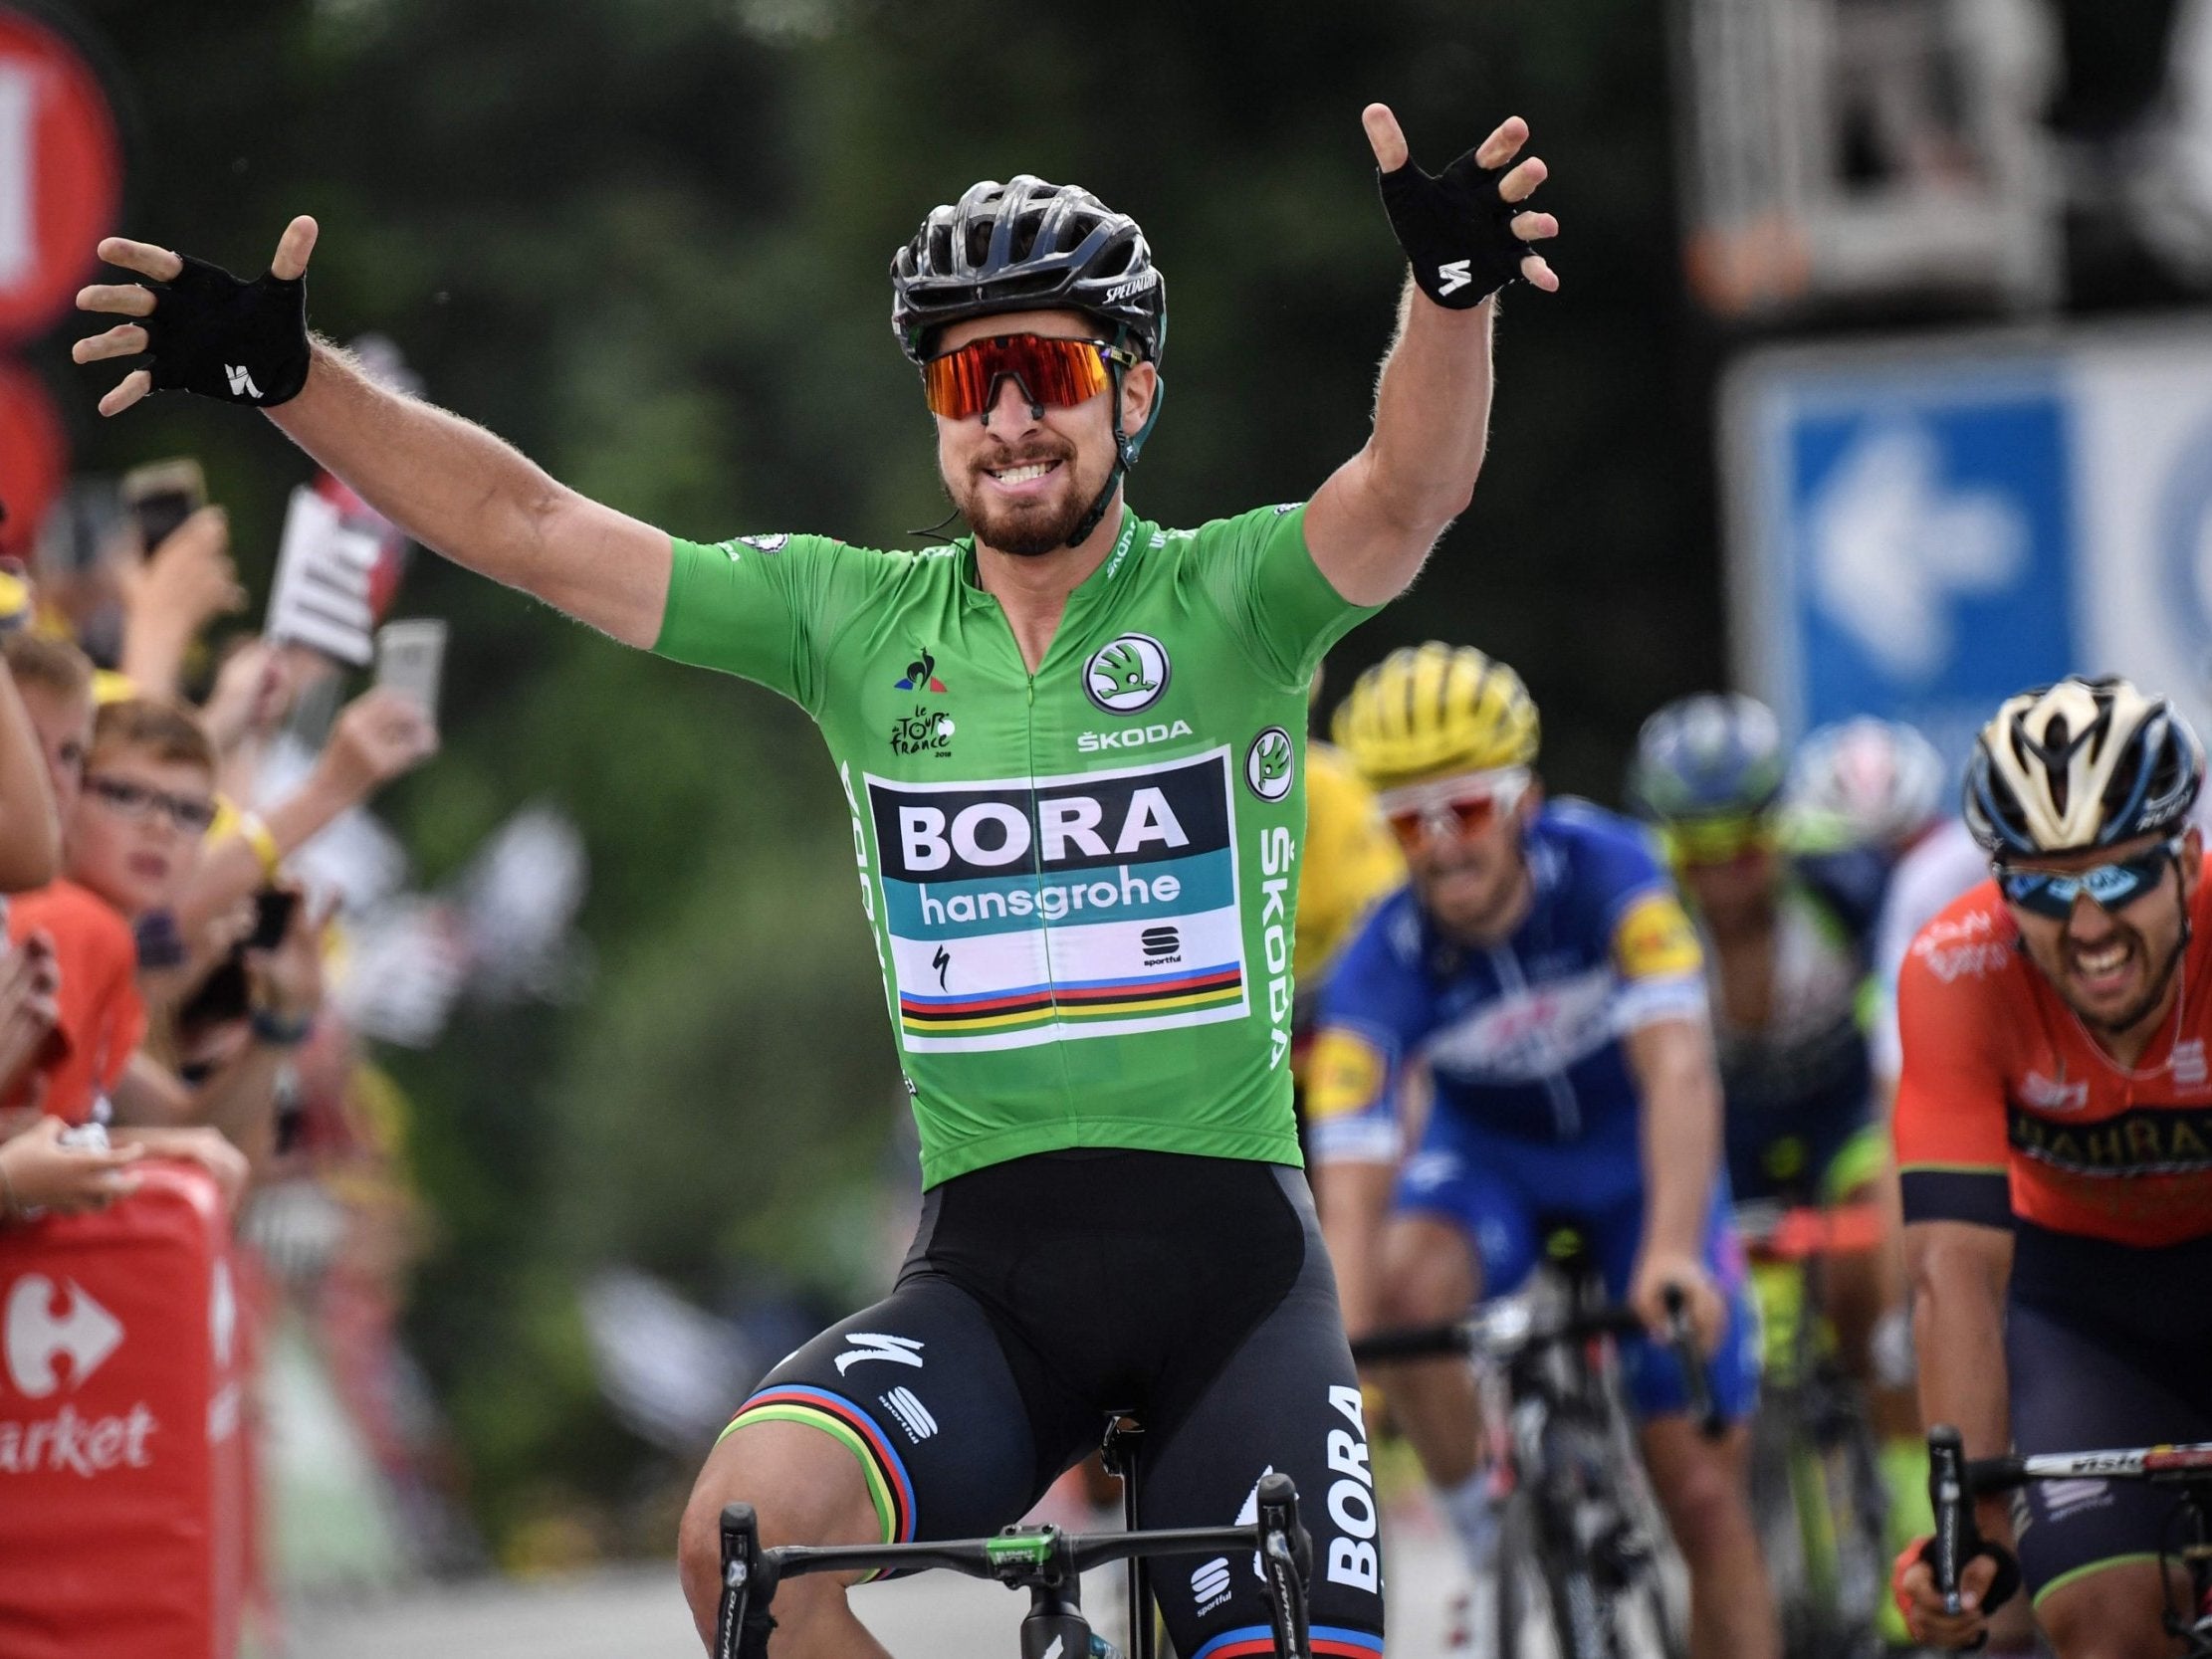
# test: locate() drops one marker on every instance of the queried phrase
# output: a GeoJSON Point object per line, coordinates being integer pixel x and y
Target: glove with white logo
{"type": "Point", "coordinates": [1455, 229]}
{"type": "Point", "coordinates": [219, 336]}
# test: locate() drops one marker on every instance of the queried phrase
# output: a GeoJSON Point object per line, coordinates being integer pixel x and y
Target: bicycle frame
{"type": "Point", "coordinates": [1043, 1561]}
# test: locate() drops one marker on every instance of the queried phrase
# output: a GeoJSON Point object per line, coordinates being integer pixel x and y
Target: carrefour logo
{"type": "Point", "coordinates": [38, 1336]}
{"type": "Point", "coordinates": [1127, 675]}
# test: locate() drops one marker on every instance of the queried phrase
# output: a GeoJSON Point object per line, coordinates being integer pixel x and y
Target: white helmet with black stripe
{"type": "Point", "coordinates": [2082, 763]}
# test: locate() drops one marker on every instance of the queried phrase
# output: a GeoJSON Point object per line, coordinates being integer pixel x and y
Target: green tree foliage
{"type": "Point", "coordinates": [646, 241]}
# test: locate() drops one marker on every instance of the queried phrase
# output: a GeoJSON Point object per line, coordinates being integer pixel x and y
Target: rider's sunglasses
{"type": "Point", "coordinates": [1716, 841]}
{"type": "Point", "coordinates": [1454, 808]}
{"type": "Point", "coordinates": [137, 801]}
{"type": "Point", "coordinates": [2111, 887]}
{"type": "Point", "coordinates": [1053, 373]}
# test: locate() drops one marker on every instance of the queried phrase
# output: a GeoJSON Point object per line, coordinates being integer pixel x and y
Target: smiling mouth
{"type": "Point", "coordinates": [1021, 472]}
{"type": "Point", "coordinates": [2107, 969]}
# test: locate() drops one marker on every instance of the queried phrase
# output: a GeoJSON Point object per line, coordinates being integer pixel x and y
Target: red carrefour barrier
{"type": "Point", "coordinates": [123, 1459]}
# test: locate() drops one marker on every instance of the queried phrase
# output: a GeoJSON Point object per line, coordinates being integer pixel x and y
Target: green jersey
{"type": "Point", "coordinates": [1082, 881]}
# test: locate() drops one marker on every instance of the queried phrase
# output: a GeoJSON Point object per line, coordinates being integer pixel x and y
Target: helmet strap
{"type": "Point", "coordinates": [1125, 450]}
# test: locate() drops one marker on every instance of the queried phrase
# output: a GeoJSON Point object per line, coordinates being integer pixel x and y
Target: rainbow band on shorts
{"type": "Point", "coordinates": [889, 1487]}
{"type": "Point", "coordinates": [1257, 1640]}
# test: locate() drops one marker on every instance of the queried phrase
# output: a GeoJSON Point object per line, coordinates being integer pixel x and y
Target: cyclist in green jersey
{"type": "Point", "coordinates": [1071, 744]}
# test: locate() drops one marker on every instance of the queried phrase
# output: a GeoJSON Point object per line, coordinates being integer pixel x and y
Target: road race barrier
{"type": "Point", "coordinates": [123, 1504]}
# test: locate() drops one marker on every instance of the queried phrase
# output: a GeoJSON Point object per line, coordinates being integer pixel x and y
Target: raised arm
{"type": "Point", "coordinates": [1373, 522]}
{"type": "Point", "coordinates": [448, 483]}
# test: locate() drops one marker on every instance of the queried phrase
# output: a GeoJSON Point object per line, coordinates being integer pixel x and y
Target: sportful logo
{"type": "Point", "coordinates": [1268, 764]}
{"type": "Point", "coordinates": [2188, 1065]}
{"type": "Point", "coordinates": [912, 1414]}
{"type": "Point", "coordinates": [921, 676]}
{"type": "Point", "coordinates": [1127, 673]}
{"type": "Point", "coordinates": [767, 544]}
{"type": "Point", "coordinates": [869, 1344]}
{"type": "Point", "coordinates": [1210, 1584]}
{"type": "Point", "coordinates": [84, 1332]}
{"type": "Point", "coordinates": [1453, 276]}
{"type": "Point", "coordinates": [241, 380]}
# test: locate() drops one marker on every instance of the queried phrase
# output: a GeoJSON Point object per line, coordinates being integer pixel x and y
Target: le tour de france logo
{"type": "Point", "coordinates": [1127, 674]}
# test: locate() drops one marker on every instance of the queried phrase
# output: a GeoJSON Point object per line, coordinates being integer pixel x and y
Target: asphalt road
{"type": "Point", "coordinates": [637, 1613]}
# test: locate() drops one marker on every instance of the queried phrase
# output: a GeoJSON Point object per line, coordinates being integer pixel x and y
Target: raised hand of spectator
{"type": "Point", "coordinates": [168, 598]}
{"type": "Point", "coordinates": [253, 692]}
{"type": "Point", "coordinates": [38, 1173]}
{"type": "Point", "coordinates": [288, 980]}
{"type": "Point", "coordinates": [379, 735]}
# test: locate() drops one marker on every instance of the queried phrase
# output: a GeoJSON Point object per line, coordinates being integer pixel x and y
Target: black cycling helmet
{"type": "Point", "coordinates": [2076, 764]}
{"type": "Point", "coordinates": [1027, 245]}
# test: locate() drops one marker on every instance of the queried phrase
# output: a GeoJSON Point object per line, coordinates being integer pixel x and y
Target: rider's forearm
{"type": "Point", "coordinates": [1681, 1133]}
{"type": "Point", "coordinates": [1958, 1331]}
{"type": "Point", "coordinates": [1373, 522]}
{"type": "Point", "coordinates": [1353, 1198]}
{"type": "Point", "coordinates": [466, 493]}
{"type": "Point", "coordinates": [1432, 412]}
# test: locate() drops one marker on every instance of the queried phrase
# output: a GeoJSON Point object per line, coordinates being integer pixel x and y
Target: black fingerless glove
{"type": "Point", "coordinates": [1455, 229]}
{"type": "Point", "coordinates": [239, 341]}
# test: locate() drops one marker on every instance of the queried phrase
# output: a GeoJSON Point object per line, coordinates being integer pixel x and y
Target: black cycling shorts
{"type": "Point", "coordinates": [1047, 1294]}
{"type": "Point", "coordinates": [2081, 1384]}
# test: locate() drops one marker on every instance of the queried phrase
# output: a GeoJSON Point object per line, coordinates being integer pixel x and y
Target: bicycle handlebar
{"type": "Point", "coordinates": [1039, 1559]}
{"type": "Point", "coordinates": [1493, 1334]}
{"type": "Point", "coordinates": [1682, 1337]}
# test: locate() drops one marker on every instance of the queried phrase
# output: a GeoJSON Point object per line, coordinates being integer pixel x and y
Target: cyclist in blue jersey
{"type": "Point", "coordinates": [1541, 969]}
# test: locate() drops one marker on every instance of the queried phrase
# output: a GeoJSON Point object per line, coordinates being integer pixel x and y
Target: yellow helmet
{"type": "Point", "coordinates": [1427, 711]}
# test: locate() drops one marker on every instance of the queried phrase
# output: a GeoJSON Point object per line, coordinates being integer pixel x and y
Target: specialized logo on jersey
{"type": "Point", "coordinates": [1024, 911]}
{"type": "Point", "coordinates": [767, 544]}
{"type": "Point", "coordinates": [1127, 673]}
{"type": "Point", "coordinates": [1654, 939]}
{"type": "Point", "coordinates": [1269, 764]}
{"type": "Point", "coordinates": [921, 675]}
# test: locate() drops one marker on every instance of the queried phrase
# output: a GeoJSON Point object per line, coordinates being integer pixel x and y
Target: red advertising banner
{"type": "Point", "coordinates": [61, 174]}
{"type": "Point", "coordinates": [34, 456]}
{"type": "Point", "coordinates": [122, 1455]}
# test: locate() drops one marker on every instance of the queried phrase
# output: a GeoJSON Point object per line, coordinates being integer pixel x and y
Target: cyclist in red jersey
{"type": "Point", "coordinates": [2054, 1129]}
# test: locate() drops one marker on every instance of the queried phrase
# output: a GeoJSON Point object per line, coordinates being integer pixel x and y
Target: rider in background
{"type": "Point", "coordinates": [1864, 785]}
{"type": "Point", "coordinates": [2054, 1129]}
{"type": "Point", "coordinates": [1351, 862]}
{"type": "Point", "coordinates": [1540, 966]}
{"type": "Point", "coordinates": [1786, 939]}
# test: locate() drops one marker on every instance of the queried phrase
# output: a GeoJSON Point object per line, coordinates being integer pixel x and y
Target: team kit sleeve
{"type": "Point", "coordinates": [1653, 947]}
{"type": "Point", "coordinates": [1281, 608]}
{"type": "Point", "coordinates": [1367, 1026]}
{"type": "Point", "coordinates": [762, 607]}
{"type": "Point", "coordinates": [1949, 1124]}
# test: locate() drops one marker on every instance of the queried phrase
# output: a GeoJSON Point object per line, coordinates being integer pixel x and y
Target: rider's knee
{"type": "Point", "coordinates": [1706, 1508]}
{"type": "Point", "coordinates": [1425, 1286]}
{"type": "Point", "coordinates": [2106, 1628]}
{"type": "Point", "coordinates": [818, 1497]}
